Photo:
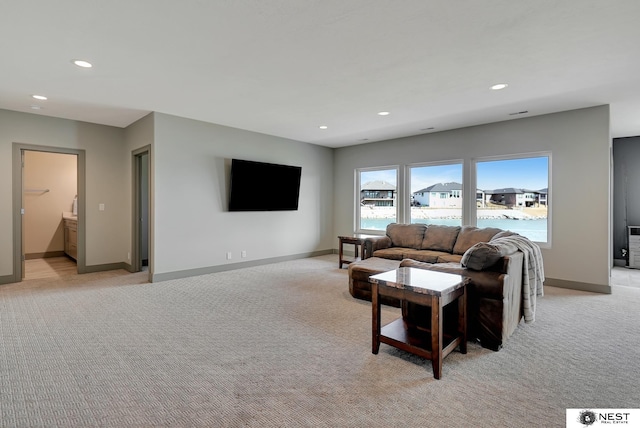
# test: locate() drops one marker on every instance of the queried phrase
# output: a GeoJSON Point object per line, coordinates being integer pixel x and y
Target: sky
{"type": "Point", "coordinates": [528, 173]}
{"type": "Point", "coordinates": [525, 173]}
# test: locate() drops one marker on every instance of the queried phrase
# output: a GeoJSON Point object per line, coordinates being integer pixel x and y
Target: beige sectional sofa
{"type": "Point", "coordinates": [493, 264]}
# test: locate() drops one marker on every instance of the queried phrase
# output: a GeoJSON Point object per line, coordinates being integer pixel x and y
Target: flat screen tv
{"type": "Point", "coordinates": [260, 186]}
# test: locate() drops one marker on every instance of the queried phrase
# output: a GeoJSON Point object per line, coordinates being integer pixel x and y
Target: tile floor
{"type": "Point", "coordinates": [625, 277]}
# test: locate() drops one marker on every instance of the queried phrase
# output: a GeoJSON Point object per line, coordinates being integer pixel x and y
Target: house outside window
{"type": "Point", "coordinates": [436, 193]}
{"type": "Point", "coordinates": [377, 204]}
{"type": "Point", "coordinates": [512, 195]}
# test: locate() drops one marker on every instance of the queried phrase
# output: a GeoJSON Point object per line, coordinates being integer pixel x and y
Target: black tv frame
{"type": "Point", "coordinates": [263, 186]}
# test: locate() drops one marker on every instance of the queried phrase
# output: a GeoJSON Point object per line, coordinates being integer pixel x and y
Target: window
{"type": "Point", "coordinates": [436, 193]}
{"type": "Point", "coordinates": [513, 193]}
{"type": "Point", "coordinates": [377, 198]}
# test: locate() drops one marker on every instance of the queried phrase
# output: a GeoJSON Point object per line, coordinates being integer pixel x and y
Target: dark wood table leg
{"type": "Point", "coordinates": [436, 336]}
{"type": "Point", "coordinates": [375, 325]}
{"type": "Point", "coordinates": [462, 321]}
{"type": "Point", "coordinates": [340, 244]}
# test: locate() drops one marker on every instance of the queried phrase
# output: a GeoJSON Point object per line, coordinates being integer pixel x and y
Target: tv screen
{"type": "Point", "coordinates": [260, 186]}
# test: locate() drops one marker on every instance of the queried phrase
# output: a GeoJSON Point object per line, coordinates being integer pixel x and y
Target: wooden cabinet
{"type": "Point", "coordinates": [71, 238]}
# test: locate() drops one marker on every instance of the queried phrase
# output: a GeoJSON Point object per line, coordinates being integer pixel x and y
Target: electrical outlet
{"type": "Point", "coordinates": [128, 256]}
{"type": "Point", "coordinates": [229, 255]}
{"type": "Point", "coordinates": [243, 254]}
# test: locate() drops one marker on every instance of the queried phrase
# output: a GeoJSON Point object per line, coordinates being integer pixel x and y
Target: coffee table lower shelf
{"type": "Point", "coordinates": [415, 340]}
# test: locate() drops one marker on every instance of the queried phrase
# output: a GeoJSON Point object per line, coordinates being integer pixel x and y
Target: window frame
{"type": "Point", "coordinates": [408, 193]}
{"type": "Point", "coordinates": [517, 156]}
{"type": "Point", "coordinates": [357, 206]}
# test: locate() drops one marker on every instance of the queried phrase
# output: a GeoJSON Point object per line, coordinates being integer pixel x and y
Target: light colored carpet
{"type": "Point", "coordinates": [285, 345]}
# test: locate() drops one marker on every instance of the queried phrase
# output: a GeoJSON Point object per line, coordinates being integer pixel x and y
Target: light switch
{"type": "Point", "coordinates": [101, 207]}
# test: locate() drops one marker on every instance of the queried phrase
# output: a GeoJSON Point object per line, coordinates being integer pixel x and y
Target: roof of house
{"type": "Point", "coordinates": [505, 190]}
{"type": "Point", "coordinates": [441, 187]}
{"type": "Point", "coordinates": [512, 190]}
{"type": "Point", "coordinates": [378, 185]}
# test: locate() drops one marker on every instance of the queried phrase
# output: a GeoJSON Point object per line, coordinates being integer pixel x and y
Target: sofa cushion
{"type": "Point", "coordinates": [393, 253]}
{"type": "Point", "coordinates": [428, 256]}
{"type": "Point", "coordinates": [440, 238]}
{"type": "Point", "coordinates": [484, 255]}
{"type": "Point", "coordinates": [449, 258]}
{"type": "Point", "coordinates": [406, 235]}
{"type": "Point", "coordinates": [471, 235]}
{"type": "Point", "coordinates": [481, 256]}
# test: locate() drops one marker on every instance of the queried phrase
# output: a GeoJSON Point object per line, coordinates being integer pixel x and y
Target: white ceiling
{"type": "Point", "coordinates": [284, 67]}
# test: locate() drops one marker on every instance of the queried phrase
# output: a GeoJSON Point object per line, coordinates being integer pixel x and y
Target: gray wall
{"type": "Point", "coordinates": [626, 192]}
{"type": "Point", "coordinates": [106, 241]}
{"type": "Point", "coordinates": [193, 229]}
{"type": "Point", "coordinates": [579, 255]}
{"type": "Point", "coordinates": [138, 135]}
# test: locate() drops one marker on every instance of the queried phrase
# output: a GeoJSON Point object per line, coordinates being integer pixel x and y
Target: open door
{"type": "Point", "coordinates": [19, 189]}
{"type": "Point", "coordinates": [140, 219]}
{"type": "Point", "coordinates": [22, 251]}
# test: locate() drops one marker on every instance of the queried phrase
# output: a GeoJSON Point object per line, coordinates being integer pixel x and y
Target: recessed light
{"type": "Point", "coordinates": [35, 107]}
{"type": "Point", "coordinates": [323, 126]}
{"type": "Point", "coordinates": [499, 86]}
{"type": "Point", "coordinates": [82, 63]}
{"type": "Point", "coordinates": [39, 97]}
{"type": "Point", "coordinates": [383, 113]}
{"type": "Point", "coordinates": [431, 128]}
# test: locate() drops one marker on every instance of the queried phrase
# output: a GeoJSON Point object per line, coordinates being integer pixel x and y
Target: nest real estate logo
{"type": "Point", "coordinates": [581, 418]}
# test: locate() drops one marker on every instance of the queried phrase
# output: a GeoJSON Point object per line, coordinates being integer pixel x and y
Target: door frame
{"type": "Point", "coordinates": [136, 212]}
{"type": "Point", "coordinates": [18, 149]}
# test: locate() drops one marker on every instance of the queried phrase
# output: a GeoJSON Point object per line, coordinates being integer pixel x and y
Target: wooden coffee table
{"type": "Point", "coordinates": [428, 288]}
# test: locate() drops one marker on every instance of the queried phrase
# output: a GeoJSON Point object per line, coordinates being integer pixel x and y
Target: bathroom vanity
{"type": "Point", "coordinates": [70, 235]}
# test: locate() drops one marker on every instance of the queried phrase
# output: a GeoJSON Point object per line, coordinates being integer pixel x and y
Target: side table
{"type": "Point", "coordinates": [427, 288]}
{"type": "Point", "coordinates": [356, 241]}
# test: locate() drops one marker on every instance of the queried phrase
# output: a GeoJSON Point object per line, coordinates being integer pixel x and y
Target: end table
{"type": "Point", "coordinates": [427, 288]}
{"type": "Point", "coordinates": [356, 241]}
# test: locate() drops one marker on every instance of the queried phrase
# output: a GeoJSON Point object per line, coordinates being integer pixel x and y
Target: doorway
{"type": "Point", "coordinates": [141, 247]}
{"type": "Point", "coordinates": [46, 183]}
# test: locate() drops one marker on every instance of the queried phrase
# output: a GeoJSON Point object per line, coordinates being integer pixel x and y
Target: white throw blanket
{"type": "Point", "coordinates": [532, 273]}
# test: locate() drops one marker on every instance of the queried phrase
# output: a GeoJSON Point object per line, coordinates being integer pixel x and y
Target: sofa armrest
{"type": "Point", "coordinates": [374, 243]}
{"type": "Point", "coordinates": [502, 265]}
